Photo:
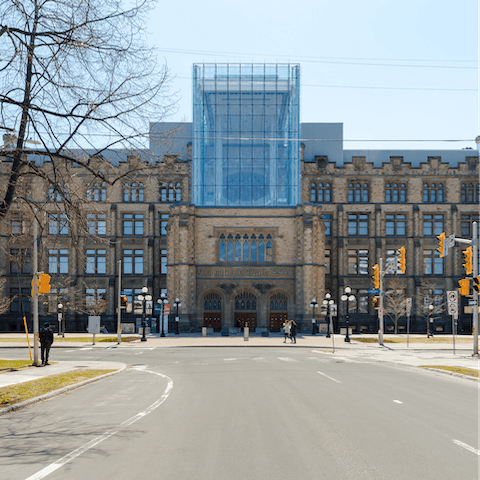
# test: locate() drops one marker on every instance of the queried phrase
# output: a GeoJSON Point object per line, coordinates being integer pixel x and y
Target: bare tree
{"type": "Point", "coordinates": [430, 305]}
{"type": "Point", "coordinates": [71, 71]}
{"type": "Point", "coordinates": [395, 300]}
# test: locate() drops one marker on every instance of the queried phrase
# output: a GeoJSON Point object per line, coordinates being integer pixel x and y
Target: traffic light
{"type": "Point", "coordinates": [123, 301]}
{"type": "Point", "coordinates": [441, 244]}
{"type": "Point", "coordinates": [44, 283]}
{"type": "Point", "coordinates": [476, 284]}
{"type": "Point", "coordinates": [376, 275]}
{"type": "Point", "coordinates": [402, 262]}
{"type": "Point", "coordinates": [375, 303]}
{"type": "Point", "coordinates": [464, 286]}
{"type": "Point", "coordinates": [468, 260]}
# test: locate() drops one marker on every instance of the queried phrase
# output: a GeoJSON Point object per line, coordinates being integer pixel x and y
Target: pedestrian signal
{"type": "Point", "coordinates": [375, 303]}
{"type": "Point", "coordinates": [441, 244]}
{"type": "Point", "coordinates": [464, 286]}
{"type": "Point", "coordinates": [402, 262]}
{"type": "Point", "coordinates": [476, 284]}
{"type": "Point", "coordinates": [468, 260]}
{"type": "Point", "coordinates": [376, 276]}
{"type": "Point", "coordinates": [124, 301]}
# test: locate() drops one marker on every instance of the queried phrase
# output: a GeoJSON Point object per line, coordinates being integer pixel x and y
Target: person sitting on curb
{"type": "Point", "coordinates": [46, 340]}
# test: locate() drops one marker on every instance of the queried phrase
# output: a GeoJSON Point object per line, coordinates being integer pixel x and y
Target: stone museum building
{"type": "Point", "coordinates": [246, 215]}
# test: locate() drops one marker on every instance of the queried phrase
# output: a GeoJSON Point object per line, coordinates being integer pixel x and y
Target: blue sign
{"type": "Point", "coordinates": [374, 290]}
{"type": "Point", "coordinates": [157, 310]}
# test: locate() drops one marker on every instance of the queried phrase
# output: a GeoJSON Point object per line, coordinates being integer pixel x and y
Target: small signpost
{"type": "Point", "coordinates": [408, 308]}
{"type": "Point", "coordinates": [452, 301]}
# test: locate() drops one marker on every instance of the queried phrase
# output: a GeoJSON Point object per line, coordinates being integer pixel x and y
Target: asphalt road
{"type": "Point", "coordinates": [246, 413]}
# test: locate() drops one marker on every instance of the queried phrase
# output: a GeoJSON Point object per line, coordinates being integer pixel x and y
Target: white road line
{"type": "Point", "coordinates": [87, 348]}
{"type": "Point", "coordinates": [229, 359]}
{"type": "Point", "coordinates": [66, 351]}
{"type": "Point", "coordinates": [397, 401]}
{"type": "Point", "coordinates": [467, 447]}
{"type": "Point", "coordinates": [334, 379]}
{"type": "Point", "coordinates": [287, 359]}
{"type": "Point", "coordinates": [79, 451]}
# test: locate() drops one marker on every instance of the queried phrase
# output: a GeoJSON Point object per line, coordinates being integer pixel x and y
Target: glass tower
{"type": "Point", "coordinates": [246, 134]}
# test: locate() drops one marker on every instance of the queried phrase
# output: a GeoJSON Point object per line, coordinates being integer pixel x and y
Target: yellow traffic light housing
{"type": "Point", "coordinates": [441, 244]}
{"type": "Point", "coordinates": [468, 260]}
{"type": "Point", "coordinates": [376, 275]}
{"type": "Point", "coordinates": [124, 301]}
{"type": "Point", "coordinates": [44, 283]}
{"type": "Point", "coordinates": [464, 286]}
{"type": "Point", "coordinates": [476, 284]}
{"type": "Point", "coordinates": [375, 303]}
{"type": "Point", "coordinates": [402, 262]}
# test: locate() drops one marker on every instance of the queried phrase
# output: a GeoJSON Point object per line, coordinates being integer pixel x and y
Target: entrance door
{"type": "Point", "coordinates": [213, 320]}
{"type": "Point", "coordinates": [277, 319]}
{"type": "Point", "coordinates": [248, 318]}
{"type": "Point", "coordinates": [212, 311]}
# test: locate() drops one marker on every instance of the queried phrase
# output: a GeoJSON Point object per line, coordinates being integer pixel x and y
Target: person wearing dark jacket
{"type": "Point", "coordinates": [293, 332]}
{"type": "Point", "coordinates": [46, 340]}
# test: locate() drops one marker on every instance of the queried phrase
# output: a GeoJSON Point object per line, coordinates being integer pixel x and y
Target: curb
{"type": "Point", "coordinates": [54, 393]}
{"type": "Point", "coordinates": [455, 374]}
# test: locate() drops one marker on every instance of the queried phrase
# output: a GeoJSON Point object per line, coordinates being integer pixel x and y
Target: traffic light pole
{"type": "Point", "coordinates": [119, 314]}
{"type": "Point", "coordinates": [35, 292]}
{"type": "Point", "coordinates": [380, 310]}
{"type": "Point", "coordinates": [475, 293]}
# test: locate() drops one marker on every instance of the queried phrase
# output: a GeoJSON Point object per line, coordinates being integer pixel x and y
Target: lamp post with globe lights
{"type": "Point", "coordinates": [144, 297]}
{"type": "Point", "coordinates": [346, 297]}
{"type": "Point", "coordinates": [328, 302]}
{"type": "Point", "coordinates": [162, 301]}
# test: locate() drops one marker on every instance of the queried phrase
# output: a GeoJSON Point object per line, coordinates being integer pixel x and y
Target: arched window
{"type": "Point", "coordinates": [358, 193]}
{"type": "Point", "coordinates": [269, 256]}
{"type": "Point", "coordinates": [212, 302]}
{"type": "Point", "coordinates": [97, 192]}
{"type": "Point", "coordinates": [230, 251]}
{"type": "Point", "coordinates": [238, 251]}
{"type": "Point", "coordinates": [178, 192]}
{"type": "Point", "coordinates": [245, 301]}
{"type": "Point", "coordinates": [261, 252]}
{"type": "Point", "coordinates": [245, 251]}
{"type": "Point", "coordinates": [222, 251]}
{"type": "Point", "coordinates": [171, 193]}
{"type": "Point", "coordinates": [313, 193]}
{"type": "Point", "coordinates": [163, 193]}
{"type": "Point", "coordinates": [278, 302]}
{"type": "Point", "coordinates": [433, 193]}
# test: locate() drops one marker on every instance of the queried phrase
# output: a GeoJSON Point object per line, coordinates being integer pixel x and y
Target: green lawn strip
{"type": "Point", "coordinates": [34, 388]}
{"type": "Point", "coordinates": [14, 365]}
{"type": "Point", "coordinates": [462, 370]}
{"type": "Point", "coordinates": [72, 339]}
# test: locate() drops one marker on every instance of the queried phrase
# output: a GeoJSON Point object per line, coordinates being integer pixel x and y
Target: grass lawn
{"type": "Point", "coordinates": [14, 365]}
{"type": "Point", "coordinates": [463, 370]}
{"type": "Point", "coordinates": [23, 391]}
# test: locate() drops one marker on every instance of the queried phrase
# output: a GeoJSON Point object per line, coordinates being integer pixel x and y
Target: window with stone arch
{"type": "Point", "coordinates": [278, 302]}
{"type": "Point", "coordinates": [433, 193]}
{"type": "Point", "coordinates": [246, 248]}
{"type": "Point", "coordinates": [245, 301]}
{"type": "Point", "coordinates": [321, 193]}
{"type": "Point", "coordinates": [358, 192]}
{"type": "Point", "coordinates": [212, 302]}
{"type": "Point", "coordinates": [469, 193]}
{"type": "Point", "coordinates": [395, 193]}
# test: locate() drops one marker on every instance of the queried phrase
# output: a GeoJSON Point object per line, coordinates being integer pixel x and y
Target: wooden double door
{"type": "Point", "coordinates": [277, 319]}
{"type": "Point", "coordinates": [213, 320]}
{"type": "Point", "coordinates": [246, 318]}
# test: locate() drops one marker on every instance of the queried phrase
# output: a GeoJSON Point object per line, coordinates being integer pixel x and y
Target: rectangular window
{"type": "Point", "coordinates": [466, 225]}
{"type": "Point", "coordinates": [133, 223]}
{"type": "Point", "coordinates": [95, 299]}
{"type": "Point", "coordinates": [432, 225]}
{"type": "Point", "coordinates": [395, 225]}
{"type": "Point", "coordinates": [432, 263]}
{"type": "Point", "coordinates": [358, 224]}
{"type": "Point", "coordinates": [57, 224]}
{"type": "Point", "coordinates": [58, 261]}
{"type": "Point", "coordinates": [15, 300]}
{"type": "Point", "coordinates": [96, 261]}
{"type": "Point", "coordinates": [327, 220]}
{"type": "Point", "coordinates": [97, 224]}
{"type": "Point", "coordinates": [358, 262]}
{"type": "Point", "coordinates": [20, 261]}
{"type": "Point", "coordinates": [327, 262]}
{"type": "Point", "coordinates": [19, 226]}
{"type": "Point", "coordinates": [163, 224]}
{"type": "Point", "coordinates": [163, 262]}
{"type": "Point", "coordinates": [132, 262]}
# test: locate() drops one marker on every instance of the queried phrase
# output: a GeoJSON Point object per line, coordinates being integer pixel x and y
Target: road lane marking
{"type": "Point", "coordinates": [397, 401]}
{"type": "Point", "coordinates": [79, 451]}
{"type": "Point", "coordinates": [87, 348]}
{"type": "Point", "coordinates": [229, 359]}
{"type": "Point", "coordinates": [467, 447]}
{"type": "Point", "coordinates": [287, 359]}
{"type": "Point", "coordinates": [331, 378]}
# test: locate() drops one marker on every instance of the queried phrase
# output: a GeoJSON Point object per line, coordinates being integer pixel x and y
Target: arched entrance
{"type": "Point", "coordinates": [212, 311]}
{"type": "Point", "coordinates": [246, 310]}
{"type": "Point", "coordinates": [278, 311]}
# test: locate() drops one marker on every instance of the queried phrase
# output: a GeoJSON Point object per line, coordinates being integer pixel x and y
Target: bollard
{"type": "Point", "coordinates": [245, 334]}
{"type": "Point", "coordinates": [204, 331]}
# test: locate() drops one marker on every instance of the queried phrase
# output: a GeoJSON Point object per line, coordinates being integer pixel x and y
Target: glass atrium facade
{"type": "Point", "coordinates": [246, 134]}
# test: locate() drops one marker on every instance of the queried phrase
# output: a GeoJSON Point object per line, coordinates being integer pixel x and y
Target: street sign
{"type": "Point", "coordinates": [452, 300]}
{"type": "Point", "coordinates": [373, 290]}
{"type": "Point", "coordinates": [409, 306]}
{"type": "Point", "coordinates": [167, 309]}
{"type": "Point", "coordinates": [472, 301]}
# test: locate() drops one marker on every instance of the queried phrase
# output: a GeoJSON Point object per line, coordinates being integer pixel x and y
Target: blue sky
{"type": "Point", "coordinates": [387, 70]}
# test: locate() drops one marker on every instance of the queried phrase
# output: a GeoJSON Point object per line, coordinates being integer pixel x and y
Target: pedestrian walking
{"type": "Point", "coordinates": [46, 340]}
{"type": "Point", "coordinates": [293, 331]}
{"type": "Point", "coordinates": [286, 330]}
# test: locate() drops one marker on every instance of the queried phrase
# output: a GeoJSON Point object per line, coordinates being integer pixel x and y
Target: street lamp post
{"type": "Point", "coordinates": [328, 302]}
{"type": "Point", "coordinates": [144, 297]}
{"type": "Point", "coordinates": [60, 320]}
{"type": "Point", "coordinates": [177, 304]}
{"type": "Point", "coordinates": [314, 305]}
{"type": "Point", "coordinates": [162, 301]}
{"type": "Point", "coordinates": [430, 322]}
{"type": "Point", "coordinates": [346, 297]}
